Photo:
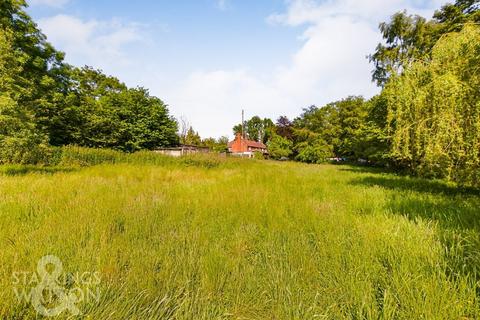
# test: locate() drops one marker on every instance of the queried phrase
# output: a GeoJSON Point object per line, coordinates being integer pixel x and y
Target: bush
{"type": "Point", "coordinates": [317, 152]}
{"type": "Point", "coordinates": [30, 149]}
{"type": "Point", "coordinates": [279, 147]}
{"type": "Point", "coordinates": [258, 155]}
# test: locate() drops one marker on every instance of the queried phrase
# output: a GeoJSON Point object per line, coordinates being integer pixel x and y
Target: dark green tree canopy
{"type": "Point", "coordinates": [50, 102]}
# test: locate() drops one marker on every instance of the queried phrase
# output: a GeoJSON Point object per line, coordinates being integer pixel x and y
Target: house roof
{"type": "Point", "coordinates": [255, 144]}
{"type": "Point", "coordinates": [250, 143]}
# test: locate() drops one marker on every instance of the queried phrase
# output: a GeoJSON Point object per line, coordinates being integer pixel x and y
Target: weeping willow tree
{"type": "Point", "coordinates": [434, 110]}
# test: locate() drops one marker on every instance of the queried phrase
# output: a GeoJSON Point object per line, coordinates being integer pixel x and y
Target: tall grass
{"type": "Point", "coordinates": [78, 156]}
{"type": "Point", "coordinates": [210, 238]}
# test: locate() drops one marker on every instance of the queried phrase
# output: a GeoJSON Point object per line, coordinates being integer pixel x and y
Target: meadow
{"type": "Point", "coordinates": [212, 238]}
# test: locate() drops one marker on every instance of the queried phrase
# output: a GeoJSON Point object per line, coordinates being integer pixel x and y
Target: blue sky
{"type": "Point", "coordinates": [208, 59]}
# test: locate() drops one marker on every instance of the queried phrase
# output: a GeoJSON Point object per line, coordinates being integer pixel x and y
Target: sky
{"type": "Point", "coordinates": [209, 59]}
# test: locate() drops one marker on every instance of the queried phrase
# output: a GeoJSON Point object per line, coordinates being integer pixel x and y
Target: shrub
{"type": "Point", "coordinates": [279, 147]}
{"type": "Point", "coordinates": [258, 155]}
{"type": "Point", "coordinates": [29, 149]}
{"type": "Point", "coordinates": [317, 152]}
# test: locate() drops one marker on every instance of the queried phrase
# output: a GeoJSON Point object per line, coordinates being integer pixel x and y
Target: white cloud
{"type": "Point", "coordinates": [374, 11]}
{"type": "Point", "coordinates": [330, 65]}
{"type": "Point", "coordinates": [96, 43]}
{"type": "Point", "coordinates": [50, 3]}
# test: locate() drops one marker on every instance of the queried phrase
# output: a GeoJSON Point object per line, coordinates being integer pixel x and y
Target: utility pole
{"type": "Point", "coordinates": [243, 124]}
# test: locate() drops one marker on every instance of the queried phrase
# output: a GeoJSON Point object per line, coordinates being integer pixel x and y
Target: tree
{"type": "Point", "coordinates": [192, 138]}
{"type": "Point", "coordinates": [284, 127]}
{"type": "Point", "coordinates": [434, 111]}
{"type": "Point", "coordinates": [279, 147]}
{"type": "Point", "coordinates": [184, 125]}
{"type": "Point", "coordinates": [338, 124]}
{"type": "Point", "coordinates": [145, 122]}
{"type": "Point", "coordinates": [221, 144]}
{"type": "Point", "coordinates": [256, 129]}
{"type": "Point", "coordinates": [352, 113]}
{"type": "Point", "coordinates": [216, 145]}
{"type": "Point", "coordinates": [19, 140]}
{"type": "Point", "coordinates": [410, 37]}
{"type": "Point", "coordinates": [238, 129]}
{"type": "Point", "coordinates": [268, 130]}
{"type": "Point", "coordinates": [86, 116]}
{"type": "Point", "coordinates": [43, 75]}
{"type": "Point", "coordinates": [108, 114]}
{"type": "Point", "coordinates": [317, 151]}
{"type": "Point", "coordinates": [452, 17]}
{"type": "Point", "coordinates": [407, 37]}
{"type": "Point", "coordinates": [371, 141]}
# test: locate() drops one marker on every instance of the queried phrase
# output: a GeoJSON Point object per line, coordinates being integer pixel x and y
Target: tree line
{"type": "Point", "coordinates": [425, 121]}
{"type": "Point", "coordinates": [45, 102]}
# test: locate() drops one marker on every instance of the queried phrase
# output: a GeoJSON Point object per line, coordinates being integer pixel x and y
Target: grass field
{"type": "Point", "coordinates": [233, 239]}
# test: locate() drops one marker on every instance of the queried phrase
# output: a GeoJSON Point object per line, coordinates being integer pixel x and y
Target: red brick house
{"type": "Point", "coordinates": [245, 147]}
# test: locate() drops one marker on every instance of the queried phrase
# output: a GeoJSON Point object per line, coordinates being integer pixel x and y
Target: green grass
{"type": "Point", "coordinates": [207, 238]}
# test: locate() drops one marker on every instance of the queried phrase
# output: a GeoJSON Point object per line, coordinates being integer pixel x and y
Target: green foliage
{"type": "Point", "coordinates": [191, 138]}
{"type": "Point", "coordinates": [258, 155]}
{"type": "Point", "coordinates": [20, 142]}
{"type": "Point", "coordinates": [279, 147]}
{"type": "Point", "coordinates": [256, 129]}
{"type": "Point", "coordinates": [216, 145]}
{"type": "Point", "coordinates": [409, 38]}
{"type": "Point", "coordinates": [35, 71]}
{"type": "Point", "coordinates": [338, 125]}
{"type": "Point", "coordinates": [434, 110]}
{"type": "Point", "coordinates": [24, 148]}
{"type": "Point", "coordinates": [317, 151]}
{"type": "Point", "coordinates": [371, 141]}
{"type": "Point", "coordinates": [110, 115]}
{"type": "Point", "coordinates": [452, 17]}
{"type": "Point", "coordinates": [237, 129]}
{"type": "Point", "coordinates": [222, 144]}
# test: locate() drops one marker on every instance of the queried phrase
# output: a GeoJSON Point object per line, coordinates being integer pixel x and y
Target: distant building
{"type": "Point", "coordinates": [182, 150]}
{"type": "Point", "coordinates": [244, 147]}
